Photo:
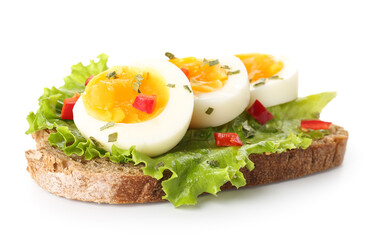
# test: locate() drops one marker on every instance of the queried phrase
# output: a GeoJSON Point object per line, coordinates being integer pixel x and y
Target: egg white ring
{"type": "Point", "coordinates": [227, 102]}
{"type": "Point", "coordinates": [275, 92]}
{"type": "Point", "coordinates": [155, 136]}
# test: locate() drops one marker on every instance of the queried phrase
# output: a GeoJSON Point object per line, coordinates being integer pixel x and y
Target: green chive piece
{"type": "Point", "coordinates": [111, 75]}
{"type": "Point", "coordinates": [139, 77]}
{"type": "Point", "coordinates": [225, 67]}
{"type": "Point", "coordinates": [205, 61]}
{"type": "Point", "coordinates": [187, 88]}
{"type": "Point", "coordinates": [233, 72]}
{"type": "Point", "coordinates": [275, 77]}
{"type": "Point", "coordinates": [170, 55]}
{"type": "Point", "coordinates": [170, 85]}
{"type": "Point", "coordinates": [136, 85]}
{"type": "Point", "coordinates": [213, 62]}
{"type": "Point", "coordinates": [209, 111]}
{"type": "Point", "coordinates": [112, 137]}
{"type": "Point", "coordinates": [106, 126]}
{"type": "Point", "coordinates": [260, 82]}
{"type": "Point", "coordinates": [96, 142]}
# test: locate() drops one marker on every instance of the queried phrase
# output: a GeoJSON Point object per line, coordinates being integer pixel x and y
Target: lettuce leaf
{"type": "Point", "coordinates": [196, 165]}
{"type": "Point", "coordinates": [51, 102]}
{"type": "Point", "coordinates": [207, 169]}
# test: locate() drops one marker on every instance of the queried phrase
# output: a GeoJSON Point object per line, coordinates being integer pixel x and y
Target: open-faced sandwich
{"type": "Point", "coordinates": [175, 129]}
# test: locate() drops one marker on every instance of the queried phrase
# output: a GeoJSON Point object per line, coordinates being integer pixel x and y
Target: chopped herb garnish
{"type": "Point", "coordinates": [205, 61]}
{"type": "Point", "coordinates": [233, 72]}
{"type": "Point", "coordinates": [106, 126]}
{"type": "Point", "coordinates": [96, 142]}
{"type": "Point", "coordinates": [209, 111]}
{"type": "Point", "coordinates": [111, 75]}
{"type": "Point", "coordinates": [260, 82]}
{"type": "Point", "coordinates": [136, 85]}
{"type": "Point", "coordinates": [170, 85]}
{"type": "Point", "coordinates": [213, 163]}
{"type": "Point", "coordinates": [139, 77]}
{"type": "Point", "coordinates": [213, 62]}
{"type": "Point", "coordinates": [225, 67]}
{"type": "Point", "coordinates": [187, 88]}
{"type": "Point", "coordinates": [170, 55]}
{"type": "Point", "coordinates": [112, 137]}
{"type": "Point", "coordinates": [275, 77]}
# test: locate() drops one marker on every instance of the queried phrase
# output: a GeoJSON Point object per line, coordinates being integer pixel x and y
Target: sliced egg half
{"type": "Point", "coordinates": [273, 80]}
{"type": "Point", "coordinates": [105, 111]}
{"type": "Point", "coordinates": [221, 89]}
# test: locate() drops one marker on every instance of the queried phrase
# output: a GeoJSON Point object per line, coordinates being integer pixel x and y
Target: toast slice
{"type": "Point", "coordinates": [102, 181]}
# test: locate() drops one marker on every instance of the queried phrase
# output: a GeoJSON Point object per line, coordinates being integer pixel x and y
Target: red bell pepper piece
{"type": "Point", "coordinates": [185, 71]}
{"type": "Point", "coordinates": [88, 79]}
{"type": "Point", "coordinates": [144, 103]}
{"type": "Point", "coordinates": [68, 105]}
{"type": "Point", "coordinates": [260, 113]}
{"type": "Point", "coordinates": [314, 124]}
{"type": "Point", "coordinates": [227, 139]}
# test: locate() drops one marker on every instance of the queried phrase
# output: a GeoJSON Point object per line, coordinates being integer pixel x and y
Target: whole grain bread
{"type": "Point", "coordinates": [102, 181]}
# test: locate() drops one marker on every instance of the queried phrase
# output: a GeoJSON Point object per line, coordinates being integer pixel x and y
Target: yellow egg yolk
{"type": "Point", "coordinates": [260, 65]}
{"type": "Point", "coordinates": [202, 76]}
{"type": "Point", "coordinates": [110, 95]}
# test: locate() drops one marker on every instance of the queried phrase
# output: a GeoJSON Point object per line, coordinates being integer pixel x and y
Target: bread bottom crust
{"type": "Point", "coordinates": [102, 181]}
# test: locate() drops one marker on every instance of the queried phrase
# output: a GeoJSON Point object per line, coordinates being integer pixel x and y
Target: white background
{"type": "Point", "coordinates": [40, 40]}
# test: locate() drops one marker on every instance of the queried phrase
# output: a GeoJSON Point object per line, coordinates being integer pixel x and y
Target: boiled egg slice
{"type": "Point", "coordinates": [273, 80]}
{"type": "Point", "coordinates": [221, 89]}
{"type": "Point", "coordinates": [106, 113]}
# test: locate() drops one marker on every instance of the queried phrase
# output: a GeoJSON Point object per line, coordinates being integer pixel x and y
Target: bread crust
{"type": "Point", "coordinates": [102, 181]}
